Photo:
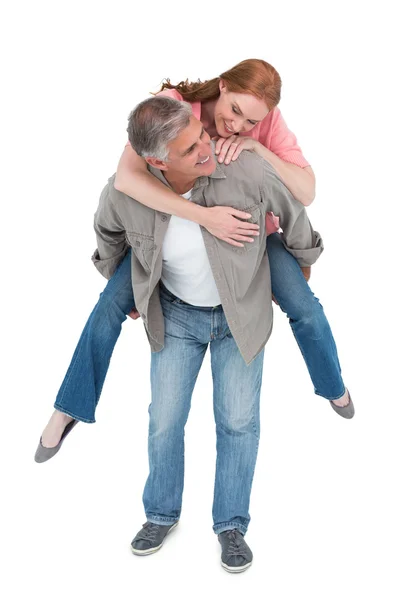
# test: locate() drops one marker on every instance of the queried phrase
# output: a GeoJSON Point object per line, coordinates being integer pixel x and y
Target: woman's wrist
{"type": "Point", "coordinates": [197, 214]}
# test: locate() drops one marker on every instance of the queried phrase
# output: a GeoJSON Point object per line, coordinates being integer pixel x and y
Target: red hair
{"type": "Point", "coordinates": [252, 76]}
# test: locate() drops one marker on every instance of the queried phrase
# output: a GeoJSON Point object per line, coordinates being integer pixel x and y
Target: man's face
{"type": "Point", "coordinates": [190, 154]}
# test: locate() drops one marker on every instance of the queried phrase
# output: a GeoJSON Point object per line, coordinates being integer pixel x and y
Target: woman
{"type": "Point", "coordinates": [239, 110]}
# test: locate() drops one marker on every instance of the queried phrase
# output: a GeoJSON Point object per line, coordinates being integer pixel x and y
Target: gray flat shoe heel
{"type": "Point", "coordinates": [42, 453]}
{"type": "Point", "coordinates": [347, 412]}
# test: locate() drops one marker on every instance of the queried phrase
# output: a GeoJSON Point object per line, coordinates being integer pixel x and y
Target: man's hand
{"type": "Point", "coordinates": [307, 274]}
{"type": "Point", "coordinates": [134, 314]}
{"type": "Point", "coordinates": [224, 223]}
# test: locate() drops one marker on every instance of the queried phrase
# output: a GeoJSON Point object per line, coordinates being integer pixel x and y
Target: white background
{"type": "Point", "coordinates": [325, 518]}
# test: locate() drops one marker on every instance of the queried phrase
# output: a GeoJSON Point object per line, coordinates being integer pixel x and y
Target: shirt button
{"type": "Point", "coordinates": [143, 317]}
{"type": "Point", "coordinates": [164, 217]}
{"type": "Point", "coordinates": [137, 243]}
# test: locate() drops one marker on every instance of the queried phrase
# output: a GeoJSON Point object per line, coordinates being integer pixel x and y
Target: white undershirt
{"type": "Point", "coordinates": [186, 270]}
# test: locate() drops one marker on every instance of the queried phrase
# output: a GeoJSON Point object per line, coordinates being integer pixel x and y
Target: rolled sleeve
{"type": "Point", "coordinates": [107, 266]}
{"type": "Point", "coordinates": [307, 256]}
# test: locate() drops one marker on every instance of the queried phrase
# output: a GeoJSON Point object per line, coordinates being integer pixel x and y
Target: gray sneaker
{"type": "Point", "coordinates": [150, 539]}
{"type": "Point", "coordinates": [236, 555]}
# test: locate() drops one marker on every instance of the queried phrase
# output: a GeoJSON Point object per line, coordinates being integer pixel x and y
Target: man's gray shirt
{"type": "Point", "coordinates": [241, 275]}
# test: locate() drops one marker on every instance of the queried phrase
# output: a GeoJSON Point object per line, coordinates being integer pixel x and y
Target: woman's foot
{"type": "Point", "coordinates": [343, 400]}
{"type": "Point", "coordinates": [54, 429]}
{"type": "Point", "coordinates": [344, 406]}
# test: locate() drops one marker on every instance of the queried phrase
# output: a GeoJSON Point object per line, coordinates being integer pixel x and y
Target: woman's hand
{"type": "Point", "coordinates": [224, 223]}
{"type": "Point", "coordinates": [228, 149]}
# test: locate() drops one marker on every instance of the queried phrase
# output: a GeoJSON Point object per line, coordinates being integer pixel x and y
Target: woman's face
{"type": "Point", "coordinates": [237, 113]}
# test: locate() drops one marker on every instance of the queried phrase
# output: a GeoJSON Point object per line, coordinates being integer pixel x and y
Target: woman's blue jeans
{"type": "Point", "coordinates": [307, 319]}
{"type": "Point", "coordinates": [82, 385]}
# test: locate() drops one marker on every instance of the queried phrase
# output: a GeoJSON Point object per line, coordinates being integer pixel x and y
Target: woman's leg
{"type": "Point", "coordinates": [80, 391]}
{"type": "Point", "coordinates": [307, 320]}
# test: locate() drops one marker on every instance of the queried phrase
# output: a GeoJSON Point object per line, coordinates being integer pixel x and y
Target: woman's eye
{"type": "Point", "coordinates": [235, 110]}
{"type": "Point", "coordinates": [252, 122]}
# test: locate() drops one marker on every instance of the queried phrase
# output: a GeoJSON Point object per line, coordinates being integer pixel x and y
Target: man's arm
{"type": "Point", "coordinates": [299, 238]}
{"type": "Point", "coordinates": [110, 234]}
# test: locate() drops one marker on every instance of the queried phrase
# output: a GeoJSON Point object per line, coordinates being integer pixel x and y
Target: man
{"type": "Point", "coordinates": [193, 290]}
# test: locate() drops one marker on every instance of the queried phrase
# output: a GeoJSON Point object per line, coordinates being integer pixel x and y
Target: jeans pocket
{"type": "Point", "coordinates": [168, 296]}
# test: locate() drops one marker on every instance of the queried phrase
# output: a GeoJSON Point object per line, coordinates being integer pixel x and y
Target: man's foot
{"type": "Point", "coordinates": [150, 539]}
{"type": "Point", "coordinates": [344, 406]}
{"type": "Point", "coordinates": [54, 429]}
{"type": "Point", "coordinates": [236, 555]}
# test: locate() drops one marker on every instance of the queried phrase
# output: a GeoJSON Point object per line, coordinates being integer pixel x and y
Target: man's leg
{"type": "Point", "coordinates": [237, 416]}
{"type": "Point", "coordinates": [308, 322]}
{"type": "Point", "coordinates": [80, 391]}
{"type": "Point", "coordinates": [174, 372]}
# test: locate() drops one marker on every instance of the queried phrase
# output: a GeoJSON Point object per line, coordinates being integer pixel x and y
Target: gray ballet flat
{"type": "Point", "coordinates": [347, 412]}
{"type": "Point", "coordinates": [43, 453]}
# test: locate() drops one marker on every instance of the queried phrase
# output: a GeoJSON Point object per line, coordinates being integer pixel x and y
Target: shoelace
{"type": "Point", "coordinates": [150, 532]}
{"type": "Point", "coordinates": [235, 543]}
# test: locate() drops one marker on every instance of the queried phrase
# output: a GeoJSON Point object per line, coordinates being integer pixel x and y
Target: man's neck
{"type": "Point", "coordinates": [179, 185]}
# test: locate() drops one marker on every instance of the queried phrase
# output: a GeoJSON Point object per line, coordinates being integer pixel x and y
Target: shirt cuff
{"type": "Point", "coordinates": [307, 256]}
{"type": "Point", "coordinates": [107, 266]}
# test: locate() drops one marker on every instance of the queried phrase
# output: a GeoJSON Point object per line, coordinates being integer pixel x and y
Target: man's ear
{"type": "Point", "coordinates": [156, 163]}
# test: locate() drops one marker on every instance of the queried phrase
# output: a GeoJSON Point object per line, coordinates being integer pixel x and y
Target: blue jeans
{"type": "Point", "coordinates": [188, 332]}
{"type": "Point", "coordinates": [307, 320]}
{"type": "Point", "coordinates": [80, 391]}
{"type": "Point", "coordinates": [81, 388]}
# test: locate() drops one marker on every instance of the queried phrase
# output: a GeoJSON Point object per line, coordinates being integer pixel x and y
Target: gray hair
{"type": "Point", "coordinates": [154, 123]}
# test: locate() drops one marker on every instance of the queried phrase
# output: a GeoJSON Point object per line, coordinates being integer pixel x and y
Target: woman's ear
{"type": "Point", "coordinates": [222, 86]}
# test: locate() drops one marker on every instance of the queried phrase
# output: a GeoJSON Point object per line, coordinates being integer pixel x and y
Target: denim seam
{"type": "Point", "coordinates": [335, 398]}
{"type": "Point", "coordinates": [69, 375]}
{"type": "Point", "coordinates": [304, 358]}
{"type": "Point", "coordinates": [71, 414]}
{"type": "Point", "coordinates": [161, 520]}
{"type": "Point", "coordinates": [228, 525]}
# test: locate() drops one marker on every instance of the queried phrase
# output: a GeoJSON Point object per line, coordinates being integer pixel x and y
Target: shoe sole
{"type": "Point", "coordinates": [152, 550]}
{"type": "Point", "coordinates": [236, 569]}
